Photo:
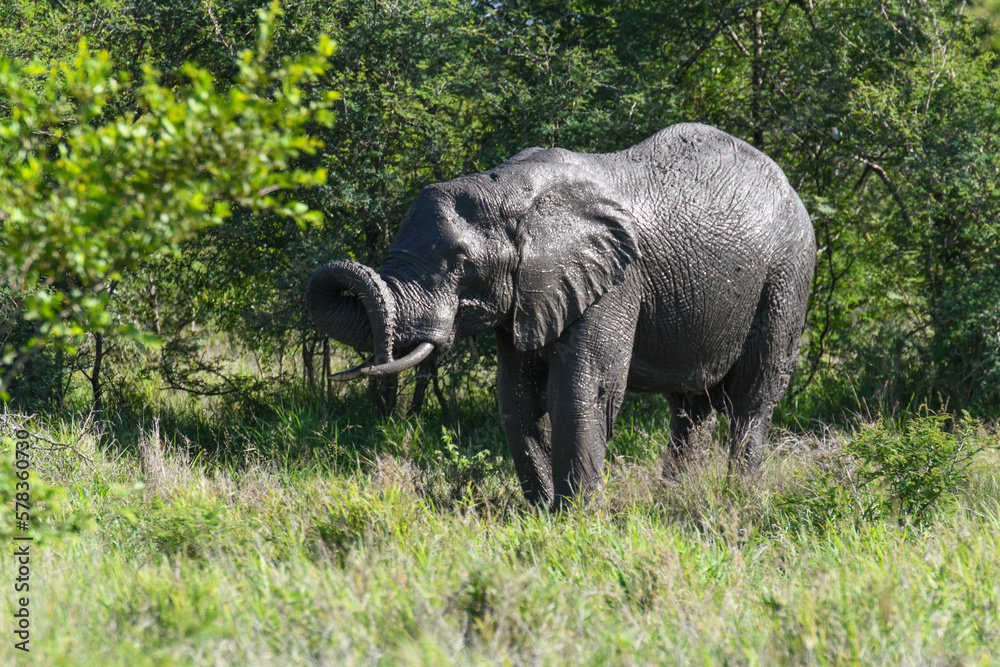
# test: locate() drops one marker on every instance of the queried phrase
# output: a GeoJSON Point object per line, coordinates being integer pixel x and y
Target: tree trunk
{"type": "Point", "coordinates": [95, 373]}
{"type": "Point", "coordinates": [154, 299]}
{"type": "Point", "coordinates": [307, 362]}
{"type": "Point", "coordinates": [327, 382]}
{"type": "Point", "coordinates": [426, 371]}
{"type": "Point", "coordinates": [383, 392]}
{"type": "Point", "coordinates": [757, 79]}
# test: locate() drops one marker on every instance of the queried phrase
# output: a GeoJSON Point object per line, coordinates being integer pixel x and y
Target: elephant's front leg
{"type": "Point", "coordinates": [521, 391]}
{"type": "Point", "coordinates": [588, 373]}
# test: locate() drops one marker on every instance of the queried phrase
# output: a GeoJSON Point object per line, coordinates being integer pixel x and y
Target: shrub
{"type": "Point", "coordinates": [918, 467]}
{"type": "Point", "coordinates": [818, 501]}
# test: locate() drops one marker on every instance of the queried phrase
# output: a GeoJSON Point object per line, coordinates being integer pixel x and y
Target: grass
{"type": "Point", "coordinates": [313, 539]}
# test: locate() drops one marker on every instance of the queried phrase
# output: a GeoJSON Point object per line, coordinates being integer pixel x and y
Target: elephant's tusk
{"type": "Point", "coordinates": [420, 353]}
{"type": "Point", "coordinates": [353, 373]}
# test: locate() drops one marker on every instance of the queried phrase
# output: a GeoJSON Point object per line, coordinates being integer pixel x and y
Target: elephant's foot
{"type": "Point", "coordinates": [537, 490]}
{"type": "Point", "coordinates": [675, 462]}
{"type": "Point", "coordinates": [692, 423]}
{"type": "Point", "coordinates": [747, 439]}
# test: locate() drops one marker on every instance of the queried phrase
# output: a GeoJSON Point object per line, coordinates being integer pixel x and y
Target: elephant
{"type": "Point", "coordinates": [680, 266]}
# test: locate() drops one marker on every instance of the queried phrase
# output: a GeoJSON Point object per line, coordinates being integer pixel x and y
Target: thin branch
{"type": "Point", "coordinates": [22, 426]}
{"type": "Point", "coordinates": [218, 30]}
{"type": "Point", "coordinates": [263, 192]}
{"type": "Point", "coordinates": [890, 185]}
{"type": "Point", "coordinates": [687, 64]}
{"type": "Point", "coordinates": [736, 40]}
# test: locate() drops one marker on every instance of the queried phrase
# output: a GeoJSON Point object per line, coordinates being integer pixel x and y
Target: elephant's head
{"type": "Point", "coordinates": [528, 245]}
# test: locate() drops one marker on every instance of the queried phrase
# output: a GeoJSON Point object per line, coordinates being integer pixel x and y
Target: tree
{"type": "Point", "coordinates": [85, 197]}
{"type": "Point", "coordinates": [884, 115]}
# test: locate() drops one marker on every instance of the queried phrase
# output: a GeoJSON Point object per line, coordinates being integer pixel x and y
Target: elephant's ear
{"type": "Point", "coordinates": [576, 239]}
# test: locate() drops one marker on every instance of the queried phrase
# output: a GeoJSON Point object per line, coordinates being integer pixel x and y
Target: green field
{"type": "Point", "coordinates": [315, 539]}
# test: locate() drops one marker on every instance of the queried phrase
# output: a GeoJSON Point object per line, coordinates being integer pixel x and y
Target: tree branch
{"type": "Point", "coordinates": [870, 164]}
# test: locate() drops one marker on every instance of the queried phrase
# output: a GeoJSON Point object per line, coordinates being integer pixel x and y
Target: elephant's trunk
{"type": "Point", "coordinates": [350, 302]}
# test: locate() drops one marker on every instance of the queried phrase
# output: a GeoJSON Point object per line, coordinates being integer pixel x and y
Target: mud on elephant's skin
{"type": "Point", "coordinates": [679, 266]}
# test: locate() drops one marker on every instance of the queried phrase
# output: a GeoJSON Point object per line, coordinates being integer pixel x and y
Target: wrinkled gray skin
{"type": "Point", "coordinates": [680, 266]}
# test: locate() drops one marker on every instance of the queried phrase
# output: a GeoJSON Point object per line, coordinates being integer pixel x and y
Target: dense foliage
{"type": "Point", "coordinates": [90, 192]}
{"type": "Point", "coordinates": [884, 114]}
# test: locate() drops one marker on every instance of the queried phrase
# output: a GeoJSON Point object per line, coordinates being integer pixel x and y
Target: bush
{"type": "Point", "coordinates": [819, 501]}
{"type": "Point", "coordinates": [918, 467]}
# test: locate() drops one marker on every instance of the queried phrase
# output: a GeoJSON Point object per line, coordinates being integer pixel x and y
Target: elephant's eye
{"type": "Point", "coordinates": [460, 261]}
{"type": "Point", "coordinates": [467, 270]}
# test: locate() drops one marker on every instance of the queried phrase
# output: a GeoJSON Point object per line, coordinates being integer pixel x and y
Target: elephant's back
{"type": "Point", "coordinates": [701, 178]}
{"type": "Point", "coordinates": [713, 217]}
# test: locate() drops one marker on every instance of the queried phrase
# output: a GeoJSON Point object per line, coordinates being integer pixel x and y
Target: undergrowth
{"type": "Point", "coordinates": [304, 534]}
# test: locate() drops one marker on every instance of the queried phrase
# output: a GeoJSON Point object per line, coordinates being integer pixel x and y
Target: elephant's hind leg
{"type": "Point", "coordinates": [759, 378]}
{"type": "Point", "coordinates": [692, 421]}
{"type": "Point", "coordinates": [521, 393]}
